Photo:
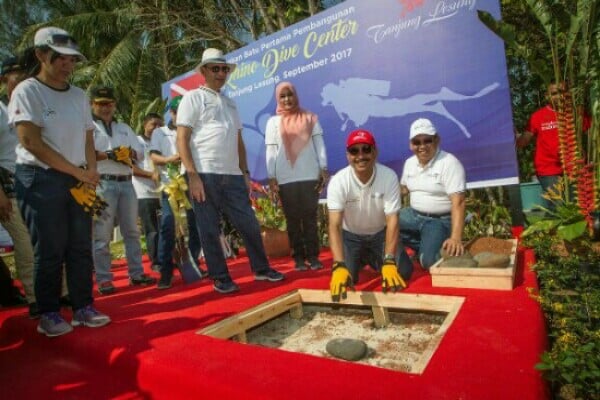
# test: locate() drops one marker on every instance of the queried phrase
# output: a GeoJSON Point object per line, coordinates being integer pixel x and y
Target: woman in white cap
{"type": "Point", "coordinates": [55, 180]}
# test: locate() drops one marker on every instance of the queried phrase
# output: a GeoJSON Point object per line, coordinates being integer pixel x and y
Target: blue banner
{"type": "Point", "coordinates": [379, 65]}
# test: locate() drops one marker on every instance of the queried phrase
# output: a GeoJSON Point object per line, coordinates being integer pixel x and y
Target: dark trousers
{"type": "Point", "coordinates": [61, 234]}
{"type": "Point", "coordinates": [148, 211]}
{"type": "Point", "coordinates": [300, 203]}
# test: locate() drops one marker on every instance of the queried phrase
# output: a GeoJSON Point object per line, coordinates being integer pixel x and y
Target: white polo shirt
{"type": "Point", "coordinates": [63, 115]}
{"type": "Point", "coordinates": [215, 123]}
{"type": "Point", "coordinates": [122, 135]}
{"type": "Point", "coordinates": [430, 186]}
{"type": "Point", "coordinates": [365, 206]}
{"type": "Point", "coordinates": [145, 188]}
{"type": "Point", "coordinates": [8, 141]}
{"type": "Point", "coordinates": [164, 142]}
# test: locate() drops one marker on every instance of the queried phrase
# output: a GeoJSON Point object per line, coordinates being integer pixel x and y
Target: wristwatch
{"type": "Point", "coordinates": [389, 257]}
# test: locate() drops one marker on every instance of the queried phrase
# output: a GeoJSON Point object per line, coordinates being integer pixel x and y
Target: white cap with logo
{"type": "Point", "coordinates": [422, 126]}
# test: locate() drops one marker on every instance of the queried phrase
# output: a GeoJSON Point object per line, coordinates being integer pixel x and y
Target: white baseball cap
{"type": "Point", "coordinates": [214, 56]}
{"type": "Point", "coordinates": [58, 40]}
{"type": "Point", "coordinates": [422, 126]}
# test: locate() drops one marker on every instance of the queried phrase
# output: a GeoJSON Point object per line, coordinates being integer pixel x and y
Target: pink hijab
{"type": "Point", "coordinates": [296, 124]}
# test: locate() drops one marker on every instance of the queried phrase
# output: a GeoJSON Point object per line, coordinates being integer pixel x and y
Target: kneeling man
{"type": "Point", "coordinates": [435, 181]}
{"type": "Point", "coordinates": [363, 200]}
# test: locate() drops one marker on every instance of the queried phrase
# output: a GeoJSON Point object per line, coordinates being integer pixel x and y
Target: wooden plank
{"type": "Point", "coordinates": [239, 323]}
{"type": "Point", "coordinates": [241, 337]}
{"type": "Point", "coordinates": [381, 316]}
{"type": "Point", "coordinates": [402, 301]}
{"type": "Point", "coordinates": [296, 311]}
{"type": "Point", "coordinates": [419, 366]}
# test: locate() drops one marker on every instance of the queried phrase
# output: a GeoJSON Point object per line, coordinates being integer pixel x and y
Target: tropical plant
{"type": "Point", "coordinates": [267, 207]}
{"type": "Point", "coordinates": [572, 33]}
{"type": "Point", "coordinates": [563, 219]}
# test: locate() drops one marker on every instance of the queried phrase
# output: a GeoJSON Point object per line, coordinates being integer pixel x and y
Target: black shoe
{"type": "Point", "coordinates": [300, 265]}
{"type": "Point", "coordinates": [34, 312]}
{"type": "Point", "coordinates": [225, 286]}
{"type": "Point", "coordinates": [106, 288]}
{"type": "Point", "coordinates": [165, 281]}
{"type": "Point", "coordinates": [315, 264]}
{"type": "Point", "coordinates": [269, 275]}
{"type": "Point", "coordinates": [142, 280]}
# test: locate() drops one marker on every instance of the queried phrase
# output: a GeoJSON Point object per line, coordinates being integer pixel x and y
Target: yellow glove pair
{"type": "Point", "coordinates": [86, 196]}
{"type": "Point", "coordinates": [390, 278]}
{"type": "Point", "coordinates": [120, 154]}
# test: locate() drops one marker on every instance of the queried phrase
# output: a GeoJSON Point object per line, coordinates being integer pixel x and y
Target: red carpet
{"type": "Point", "coordinates": [151, 351]}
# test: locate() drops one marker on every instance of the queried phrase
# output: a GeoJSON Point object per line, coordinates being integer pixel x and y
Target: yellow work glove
{"type": "Point", "coordinates": [120, 154]}
{"type": "Point", "coordinates": [340, 281]}
{"type": "Point", "coordinates": [87, 198]}
{"type": "Point", "coordinates": [390, 278]}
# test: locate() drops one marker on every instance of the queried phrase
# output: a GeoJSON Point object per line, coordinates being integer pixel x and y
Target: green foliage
{"type": "Point", "coordinates": [487, 214]}
{"type": "Point", "coordinates": [570, 297]}
{"type": "Point", "coordinates": [564, 219]}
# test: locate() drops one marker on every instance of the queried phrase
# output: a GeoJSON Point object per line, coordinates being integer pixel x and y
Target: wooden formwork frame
{"type": "Point", "coordinates": [237, 325]}
{"type": "Point", "coordinates": [476, 278]}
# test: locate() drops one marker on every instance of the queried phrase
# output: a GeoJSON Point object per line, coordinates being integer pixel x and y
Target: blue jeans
{"type": "Point", "coordinates": [361, 250]}
{"type": "Point", "coordinates": [122, 205]}
{"type": "Point", "coordinates": [425, 235]}
{"type": "Point", "coordinates": [166, 239]}
{"type": "Point", "coordinates": [228, 194]}
{"type": "Point", "coordinates": [61, 234]}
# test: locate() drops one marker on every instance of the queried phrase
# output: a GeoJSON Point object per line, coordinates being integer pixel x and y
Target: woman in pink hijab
{"type": "Point", "coordinates": [297, 170]}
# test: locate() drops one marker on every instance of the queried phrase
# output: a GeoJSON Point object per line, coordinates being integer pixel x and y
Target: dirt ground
{"type": "Point", "coordinates": [397, 347]}
{"type": "Point", "coordinates": [493, 245]}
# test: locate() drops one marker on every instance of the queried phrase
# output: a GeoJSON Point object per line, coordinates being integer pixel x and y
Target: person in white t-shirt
{"type": "Point", "coordinates": [163, 151]}
{"type": "Point", "coordinates": [297, 170]}
{"type": "Point", "coordinates": [435, 181]}
{"type": "Point", "coordinates": [363, 200]}
{"type": "Point", "coordinates": [117, 147]}
{"type": "Point", "coordinates": [145, 184]}
{"type": "Point", "coordinates": [56, 168]}
{"type": "Point", "coordinates": [209, 141]}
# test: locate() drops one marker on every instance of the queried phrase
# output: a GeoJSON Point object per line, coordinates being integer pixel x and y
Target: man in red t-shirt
{"type": "Point", "coordinates": [544, 126]}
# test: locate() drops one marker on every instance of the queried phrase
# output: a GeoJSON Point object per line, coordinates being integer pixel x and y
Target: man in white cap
{"type": "Point", "coordinates": [209, 141]}
{"type": "Point", "coordinates": [436, 183]}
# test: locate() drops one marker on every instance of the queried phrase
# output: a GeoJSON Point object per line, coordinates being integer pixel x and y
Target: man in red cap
{"type": "Point", "coordinates": [363, 200]}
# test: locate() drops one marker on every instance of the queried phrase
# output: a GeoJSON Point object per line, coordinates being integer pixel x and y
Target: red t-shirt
{"type": "Point", "coordinates": [544, 127]}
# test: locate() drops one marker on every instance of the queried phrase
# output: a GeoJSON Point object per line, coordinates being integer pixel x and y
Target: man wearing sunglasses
{"type": "Point", "coordinates": [435, 181]}
{"type": "Point", "coordinates": [209, 142]}
{"type": "Point", "coordinates": [363, 200]}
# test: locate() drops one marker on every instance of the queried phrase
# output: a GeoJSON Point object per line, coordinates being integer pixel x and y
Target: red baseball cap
{"type": "Point", "coordinates": [360, 136]}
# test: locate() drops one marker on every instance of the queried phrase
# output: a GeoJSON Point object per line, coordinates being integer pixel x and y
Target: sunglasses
{"type": "Point", "coordinates": [63, 41]}
{"type": "Point", "coordinates": [423, 142]}
{"type": "Point", "coordinates": [367, 149]}
{"type": "Point", "coordinates": [215, 69]}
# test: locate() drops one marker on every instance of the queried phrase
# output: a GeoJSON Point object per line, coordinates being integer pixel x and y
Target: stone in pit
{"type": "Point", "coordinates": [347, 349]}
